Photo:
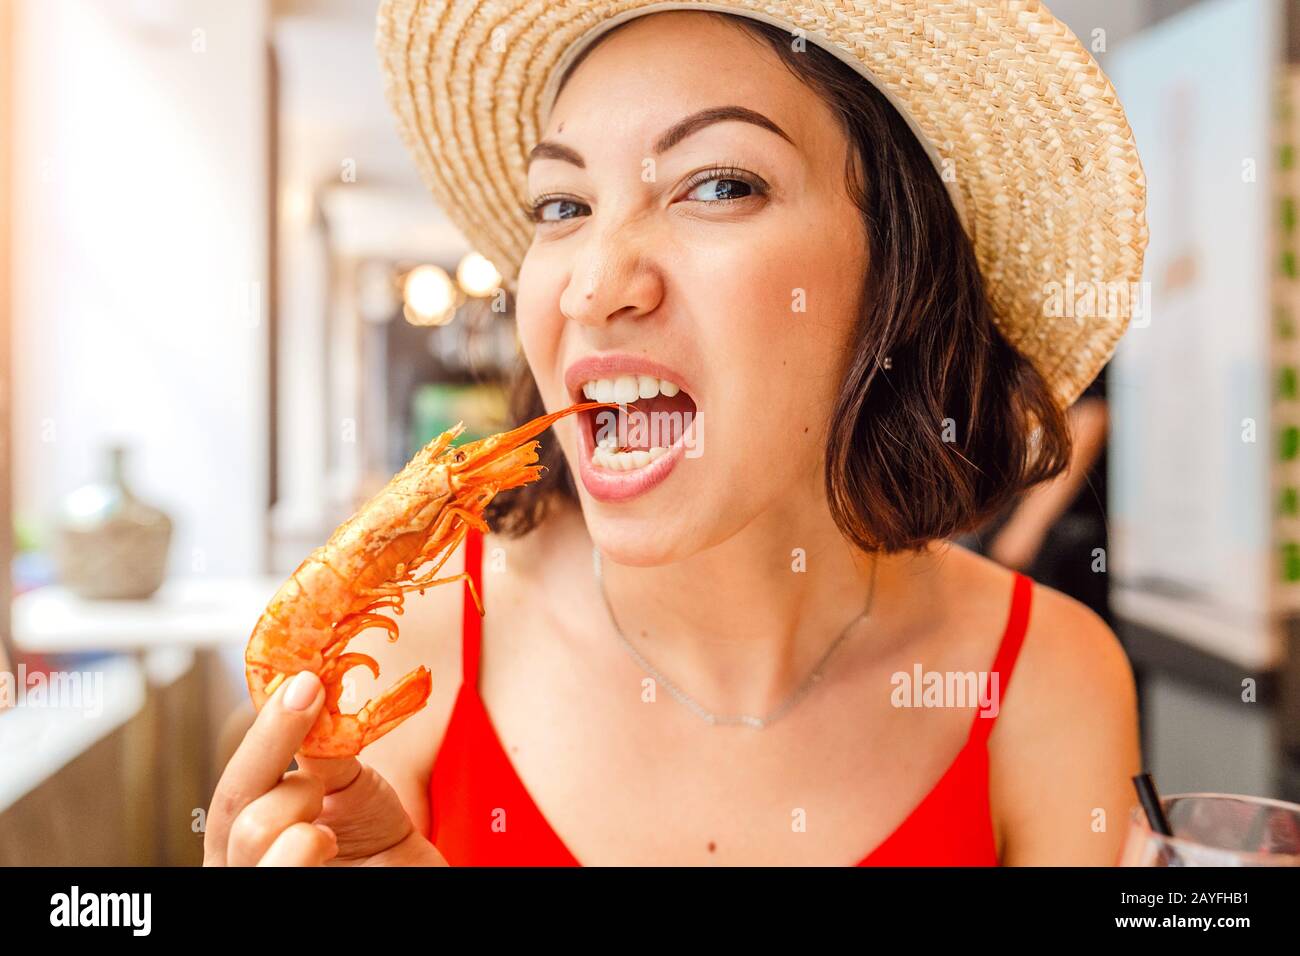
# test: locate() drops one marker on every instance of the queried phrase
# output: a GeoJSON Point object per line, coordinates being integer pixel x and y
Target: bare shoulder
{"type": "Point", "coordinates": [1071, 660]}
{"type": "Point", "coordinates": [1065, 746]}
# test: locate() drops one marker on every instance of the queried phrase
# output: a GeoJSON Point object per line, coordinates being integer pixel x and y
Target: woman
{"type": "Point", "coordinates": [749, 235]}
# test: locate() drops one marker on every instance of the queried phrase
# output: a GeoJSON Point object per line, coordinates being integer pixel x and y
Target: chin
{"type": "Point", "coordinates": [639, 540]}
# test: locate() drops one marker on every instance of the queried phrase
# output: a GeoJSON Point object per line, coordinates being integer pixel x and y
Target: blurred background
{"type": "Point", "coordinates": [230, 312]}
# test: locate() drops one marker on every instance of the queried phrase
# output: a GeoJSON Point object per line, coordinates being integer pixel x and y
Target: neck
{"type": "Point", "coordinates": [740, 625]}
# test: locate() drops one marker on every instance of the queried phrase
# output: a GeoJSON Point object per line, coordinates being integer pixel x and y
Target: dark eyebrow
{"type": "Point", "coordinates": [548, 150]}
{"type": "Point", "coordinates": [717, 114]}
{"type": "Point", "coordinates": [671, 136]}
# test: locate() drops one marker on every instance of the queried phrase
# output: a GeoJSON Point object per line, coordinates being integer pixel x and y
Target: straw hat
{"type": "Point", "coordinates": [1017, 116]}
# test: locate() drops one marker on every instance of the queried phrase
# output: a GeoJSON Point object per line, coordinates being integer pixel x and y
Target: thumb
{"type": "Point", "coordinates": [335, 773]}
{"type": "Point", "coordinates": [360, 806]}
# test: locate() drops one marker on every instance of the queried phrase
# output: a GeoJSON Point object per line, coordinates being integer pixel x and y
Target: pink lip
{"type": "Point", "coordinates": [618, 486]}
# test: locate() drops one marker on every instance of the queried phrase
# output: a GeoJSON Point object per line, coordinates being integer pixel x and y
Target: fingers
{"type": "Point", "coordinates": [297, 800]}
{"type": "Point", "coordinates": [262, 758]}
{"type": "Point", "coordinates": [303, 844]}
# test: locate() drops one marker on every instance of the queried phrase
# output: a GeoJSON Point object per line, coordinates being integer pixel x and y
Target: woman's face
{"type": "Point", "coordinates": [708, 271]}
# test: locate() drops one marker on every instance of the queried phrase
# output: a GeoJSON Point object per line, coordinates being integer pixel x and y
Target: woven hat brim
{"type": "Point", "coordinates": [1020, 118]}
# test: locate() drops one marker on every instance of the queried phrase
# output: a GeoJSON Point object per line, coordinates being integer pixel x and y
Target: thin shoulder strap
{"type": "Point", "coordinates": [471, 628]}
{"type": "Point", "coordinates": [1012, 639]}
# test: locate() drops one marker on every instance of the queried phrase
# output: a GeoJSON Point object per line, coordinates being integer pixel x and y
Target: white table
{"type": "Point", "coordinates": [163, 634]}
{"type": "Point", "coordinates": [35, 742]}
{"type": "Point", "coordinates": [185, 612]}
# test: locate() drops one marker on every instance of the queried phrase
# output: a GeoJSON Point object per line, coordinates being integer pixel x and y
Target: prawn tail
{"type": "Point", "coordinates": [344, 735]}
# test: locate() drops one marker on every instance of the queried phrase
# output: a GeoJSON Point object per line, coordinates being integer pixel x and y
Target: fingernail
{"type": "Point", "coordinates": [327, 831]}
{"type": "Point", "coordinates": [301, 691]}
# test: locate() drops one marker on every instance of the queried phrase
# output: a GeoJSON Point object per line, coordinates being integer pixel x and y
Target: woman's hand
{"type": "Point", "coordinates": [338, 812]}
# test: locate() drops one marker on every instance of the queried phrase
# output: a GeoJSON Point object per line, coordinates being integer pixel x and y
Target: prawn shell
{"type": "Point", "coordinates": [367, 564]}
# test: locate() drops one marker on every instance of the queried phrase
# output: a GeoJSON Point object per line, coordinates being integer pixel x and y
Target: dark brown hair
{"type": "Point", "coordinates": [940, 424]}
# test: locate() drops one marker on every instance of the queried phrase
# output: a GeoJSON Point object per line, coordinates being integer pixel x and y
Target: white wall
{"type": "Point", "coordinates": [348, 189]}
{"type": "Point", "coordinates": [141, 258]}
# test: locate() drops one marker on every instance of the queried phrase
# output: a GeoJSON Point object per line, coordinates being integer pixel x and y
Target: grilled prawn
{"type": "Point", "coordinates": [367, 566]}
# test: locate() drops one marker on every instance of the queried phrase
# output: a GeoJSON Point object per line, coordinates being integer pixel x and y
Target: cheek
{"type": "Point", "coordinates": [538, 318]}
{"type": "Point", "coordinates": [786, 304]}
{"type": "Point", "coordinates": [818, 297]}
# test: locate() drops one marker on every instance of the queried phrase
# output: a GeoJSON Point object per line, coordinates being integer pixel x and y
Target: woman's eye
{"type": "Point", "coordinates": [720, 188]}
{"type": "Point", "coordinates": [557, 210]}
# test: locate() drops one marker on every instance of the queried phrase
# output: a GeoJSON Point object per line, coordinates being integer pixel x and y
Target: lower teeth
{"type": "Point", "coordinates": [608, 458]}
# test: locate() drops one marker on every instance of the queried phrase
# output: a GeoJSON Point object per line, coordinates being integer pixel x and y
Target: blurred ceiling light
{"type": "Point", "coordinates": [477, 276]}
{"type": "Point", "coordinates": [296, 205]}
{"type": "Point", "coordinates": [430, 296]}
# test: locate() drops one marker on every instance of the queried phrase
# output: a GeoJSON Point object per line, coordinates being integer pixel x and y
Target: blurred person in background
{"type": "Point", "coordinates": [1056, 531]}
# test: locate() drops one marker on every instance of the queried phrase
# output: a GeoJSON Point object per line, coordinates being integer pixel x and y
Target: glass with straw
{"type": "Point", "coordinates": [1210, 829]}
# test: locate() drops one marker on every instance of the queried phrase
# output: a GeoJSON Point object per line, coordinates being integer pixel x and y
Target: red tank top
{"type": "Point", "coordinates": [474, 786]}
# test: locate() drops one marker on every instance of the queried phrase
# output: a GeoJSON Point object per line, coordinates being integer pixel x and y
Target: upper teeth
{"type": "Point", "coordinates": [628, 388]}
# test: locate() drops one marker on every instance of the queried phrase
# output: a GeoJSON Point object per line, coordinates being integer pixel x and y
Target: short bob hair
{"type": "Point", "coordinates": [939, 424]}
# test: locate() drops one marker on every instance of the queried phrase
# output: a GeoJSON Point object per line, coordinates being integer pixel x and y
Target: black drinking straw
{"type": "Point", "coordinates": [1150, 798]}
{"type": "Point", "coordinates": [1155, 811]}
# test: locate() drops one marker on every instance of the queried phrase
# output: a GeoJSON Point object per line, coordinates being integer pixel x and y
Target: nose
{"type": "Point", "coordinates": [612, 277]}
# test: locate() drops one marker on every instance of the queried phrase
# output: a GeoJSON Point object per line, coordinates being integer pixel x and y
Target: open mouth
{"type": "Point", "coordinates": [653, 416]}
{"type": "Point", "coordinates": [625, 451]}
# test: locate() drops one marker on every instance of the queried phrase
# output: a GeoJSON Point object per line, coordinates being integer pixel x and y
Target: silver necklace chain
{"type": "Point", "coordinates": [758, 723]}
